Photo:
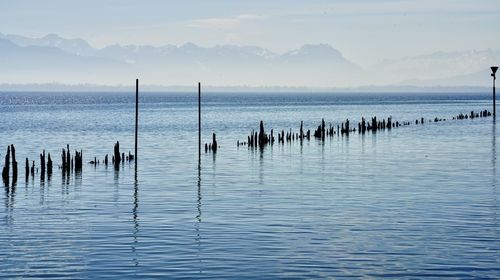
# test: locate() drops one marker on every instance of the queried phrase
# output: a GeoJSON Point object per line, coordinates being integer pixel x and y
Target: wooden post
{"type": "Point", "coordinates": [42, 163]}
{"type": "Point", "coordinates": [27, 169]}
{"type": "Point", "coordinates": [6, 167]}
{"type": "Point", "coordinates": [199, 120]}
{"type": "Point", "coordinates": [63, 160]}
{"type": "Point", "coordinates": [68, 159]}
{"type": "Point", "coordinates": [42, 168]}
{"type": "Point", "coordinates": [14, 164]}
{"type": "Point", "coordinates": [49, 166]}
{"type": "Point", "coordinates": [214, 143]}
{"type": "Point", "coordinates": [116, 157]}
{"type": "Point", "coordinates": [136, 117]}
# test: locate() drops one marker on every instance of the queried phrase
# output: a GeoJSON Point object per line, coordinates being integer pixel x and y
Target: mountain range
{"type": "Point", "coordinates": [53, 59]}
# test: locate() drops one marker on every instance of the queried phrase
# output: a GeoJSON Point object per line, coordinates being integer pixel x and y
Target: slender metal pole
{"type": "Point", "coordinates": [199, 119]}
{"type": "Point", "coordinates": [136, 117]}
{"type": "Point", "coordinates": [494, 97]}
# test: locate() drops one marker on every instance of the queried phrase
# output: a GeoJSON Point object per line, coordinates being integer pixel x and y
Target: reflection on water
{"type": "Point", "coordinates": [261, 164]}
{"type": "Point", "coordinates": [198, 215]}
{"type": "Point", "coordinates": [198, 206]}
{"type": "Point", "coordinates": [494, 181]}
{"type": "Point", "coordinates": [494, 152]}
{"type": "Point", "coordinates": [10, 193]}
{"type": "Point", "coordinates": [135, 219]}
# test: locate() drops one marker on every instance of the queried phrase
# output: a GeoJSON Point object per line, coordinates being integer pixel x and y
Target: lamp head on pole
{"type": "Point", "coordinates": [494, 70]}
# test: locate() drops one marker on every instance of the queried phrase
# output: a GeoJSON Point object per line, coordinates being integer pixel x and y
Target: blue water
{"type": "Point", "coordinates": [419, 201]}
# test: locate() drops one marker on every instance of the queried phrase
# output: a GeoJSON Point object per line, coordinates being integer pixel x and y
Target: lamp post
{"type": "Point", "coordinates": [494, 70]}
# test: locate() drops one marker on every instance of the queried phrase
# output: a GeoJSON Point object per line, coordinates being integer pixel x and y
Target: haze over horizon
{"type": "Point", "coordinates": [316, 43]}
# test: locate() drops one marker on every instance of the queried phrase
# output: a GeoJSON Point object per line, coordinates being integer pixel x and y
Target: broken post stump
{"type": "Point", "coordinates": [6, 167]}
{"type": "Point", "coordinates": [49, 166]}
{"type": "Point", "coordinates": [27, 169]}
{"type": "Point", "coordinates": [14, 163]}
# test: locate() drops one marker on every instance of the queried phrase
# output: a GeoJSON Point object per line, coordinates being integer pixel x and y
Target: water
{"type": "Point", "coordinates": [415, 202]}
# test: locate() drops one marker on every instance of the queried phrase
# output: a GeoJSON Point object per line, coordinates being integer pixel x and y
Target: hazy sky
{"type": "Point", "coordinates": [365, 31]}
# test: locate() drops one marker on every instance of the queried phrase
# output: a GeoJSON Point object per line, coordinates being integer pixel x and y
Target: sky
{"type": "Point", "coordinates": [365, 31]}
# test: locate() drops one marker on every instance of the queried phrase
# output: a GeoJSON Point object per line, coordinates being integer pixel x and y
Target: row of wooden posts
{"type": "Point", "coordinates": [261, 138]}
{"type": "Point", "coordinates": [473, 115]}
{"type": "Point", "coordinates": [69, 163]}
{"type": "Point", "coordinates": [255, 139]}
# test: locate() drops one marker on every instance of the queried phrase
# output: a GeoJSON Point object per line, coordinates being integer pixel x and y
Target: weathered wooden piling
{"type": "Point", "coordinates": [6, 167]}
{"type": "Point", "coordinates": [320, 131]}
{"type": "Point", "coordinates": [14, 163]}
{"type": "Point", "coordinates": [49, 166]}
{"type": "Point", "coordinates": [42, 163]}
{"type": "Point", "coordinates": [345, 128]}
{"type": "Point", "coordinates": [214, 143]}
{"type": "Point", "coordinates": [42, 166]}
{"type": "Point", "coordinates": [78, 161]}
{"type": "Point", "coordinates": [323, 129]}
{"type": "Point", "coordinates": [301, 135]}
{"type": "Point", "coordinates": [27, 169]}
{"type": "Point", "coordinates": [63, 160]}
{"type": "Point", "coordinates": [263, 140]}
{"type": "Point", "coordinates": [117, 156]}
{"type": "Point", "coordinates": [363, 125]}
{"type": "Point", "coordinates": [212, 147]}
{"type": "Point", "coordinates": [374, 124]}
{"type": "Point", "coordinates": [68, 160]}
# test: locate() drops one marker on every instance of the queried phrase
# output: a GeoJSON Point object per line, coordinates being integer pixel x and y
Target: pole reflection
{"type": "Point", "coordinates": [261, 166]}
{"type": "Point", "coordinates": [199, 214]}
{"type": "Point", "coordinates": [10, 193]}
{"type": "Point", "coordinates": [135, 219]}
{"type": "Point", "coordinates": [494, 168]}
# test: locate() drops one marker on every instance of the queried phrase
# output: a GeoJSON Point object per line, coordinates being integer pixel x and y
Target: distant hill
{"type": "Point", "coordinates": [466, 68]}
{"type": "Point", "coordinates": [55, 59]}
{"type": "Point", "coordinates": [72, 46]}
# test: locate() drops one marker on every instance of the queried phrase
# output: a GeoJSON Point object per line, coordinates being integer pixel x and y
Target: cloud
{"type": "Point", "coordinates": [222, 23]}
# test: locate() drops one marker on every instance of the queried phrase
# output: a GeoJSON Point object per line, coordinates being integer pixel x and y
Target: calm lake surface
{"type": "Point", "coordinates": [419, 201]}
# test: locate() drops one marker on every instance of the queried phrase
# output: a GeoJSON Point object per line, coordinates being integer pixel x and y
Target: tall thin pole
{"type": "Point", "coordinates": [136, 117]}
{"type": "Point", "coordinates": [493, 74]}
{"type": "Point", "coordinates": [199, 119]}
{"type": "Point", "coordinates": [494, 97]}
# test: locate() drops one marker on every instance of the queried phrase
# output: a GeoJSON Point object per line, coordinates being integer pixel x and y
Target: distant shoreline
{"type": "Point", "coordinates": [86, 88]}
